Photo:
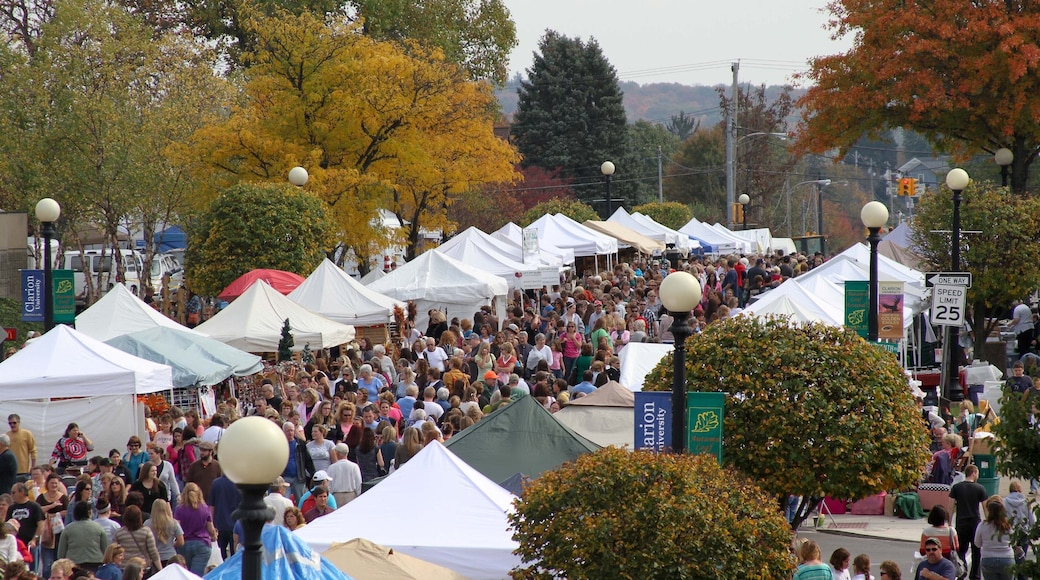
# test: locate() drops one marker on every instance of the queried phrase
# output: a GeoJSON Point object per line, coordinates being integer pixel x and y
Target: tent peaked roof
{"type": "Point", "coordinates": [176, 573]}
{"type": "Point", "coordinates": [437, 277]}
{"type": "Point", "coordinates": [195, 359]}
{"type": "Point", "coordinates": [512, 234]}
{"type": "Point", "coordinates": [253, 323]}
{"type": "Point", "coordinates": [286, 556]}
{"type": "Point", "coordinates": [794, 300]}
{"type": "Point", "coordinates": [479, 547]}
{"type": "Point", "coordinates": [367, 560]}
{"type": "Point", "coordinates": [581, 240]}
{"type": "Point", "coordinates": [331, 292]}
{"type": "Point", "coordinates": [68, 363]}
{"type": "Point", "coordinates": [476, 248]}
{"type": "Point", "coordinates": [611, 394]}
{"type": "Point", "coordinates": [282, 281]}
{"type": "Point", "coordinates": [522, 436]}
{"type": "Point", "coordinates": [119, 312]}
{"type": "Point", "coordinates": [634, 239]}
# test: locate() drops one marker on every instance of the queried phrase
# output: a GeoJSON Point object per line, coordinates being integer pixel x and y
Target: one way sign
{"type": "Point", "coordinates": [948, 279]}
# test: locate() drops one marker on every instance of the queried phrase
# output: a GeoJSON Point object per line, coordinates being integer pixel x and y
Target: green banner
{"type": "Point", "coordinates": [704, 414]}
{"type": "Point", "coordinates": [857, 301]}
{"type": "Point", "coordinates": [64, 296]}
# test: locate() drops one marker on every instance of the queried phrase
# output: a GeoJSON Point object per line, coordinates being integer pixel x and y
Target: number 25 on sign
{"type": "Point", "coordinates": [948, 305]}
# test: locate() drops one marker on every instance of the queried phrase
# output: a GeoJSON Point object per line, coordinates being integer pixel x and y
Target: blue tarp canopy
{"type": "Point", "coordinates": [171, 238]}
{"type": "Point", "coordinates": [285, 557]}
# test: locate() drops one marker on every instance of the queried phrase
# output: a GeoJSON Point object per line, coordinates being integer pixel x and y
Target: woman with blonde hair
{"type": "Point", "coordinates": [308, 405]}
{"type": "Point", "coordinates": [197, 523]}
{"type": "Point", "coordinates": [431, 433]}
{"type": "Point", "coordinates": [810, 566]}
{"type": "Point", "coordinates": [410, 445]}
{"type": "Point", "coordinates": [168, 532]}
{"type": "Point", "coordinates": [112, 565]}
{"type": "Point", "coordinates": [344, 422]}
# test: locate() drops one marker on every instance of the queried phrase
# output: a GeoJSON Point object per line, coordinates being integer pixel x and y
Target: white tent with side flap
{"type": "Point", "coordinates": [119, 312]}
{"type": "Point", "coordinates": [332, 293]}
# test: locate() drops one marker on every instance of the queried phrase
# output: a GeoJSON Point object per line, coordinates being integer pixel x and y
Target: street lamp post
{"type": "Point", "coordinates": [874, 215]}
{"type": "Point", "coordinates": [744, 200]}
{"type": "Point", "coordinates": [1004, 157]}
{"type": "Point", "coordinates": [253, 453]}
{"type": "Point", "coordinates": [607, 169]}
{"type": "Point", "coordinates": [680, 293]}
{"type": "Point", "coordinates": [47, 211]}
{"type": "Point", "coordinates": [957, 180]}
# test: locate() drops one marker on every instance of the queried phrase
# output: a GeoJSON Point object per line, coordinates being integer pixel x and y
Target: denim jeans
{"type": "Point", "coordinates": [997, 568]}
{"type": "Point", "coordinates": [196, 553]}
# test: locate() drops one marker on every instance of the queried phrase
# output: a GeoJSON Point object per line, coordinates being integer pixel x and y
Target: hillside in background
{"type": "Point", "coordinates": [655, 102]}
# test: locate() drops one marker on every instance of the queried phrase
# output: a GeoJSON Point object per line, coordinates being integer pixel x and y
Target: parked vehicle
{"type": "Point", "coordinates": [90, 263]}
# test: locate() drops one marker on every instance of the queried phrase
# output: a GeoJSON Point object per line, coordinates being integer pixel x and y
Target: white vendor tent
{"type": "Point", "coordinates": [743, 244]}
{"type": "Point", "coordinates": [547, 252]}
{"type": "Point", "coordinates": [332, 293]}
{"type": "Point", "coordinates": [372, 276]}
{"type": "Point", "coordinates": [475, 248]}
{"type": "Point", "coordinates": [794, 301]}
{"type": "Point", "coordinates": [706, 234]}
{"type": "Point", "coordinates": [761, 238]}
{"type": "Point", "coordinates": [605, 416]}
{"type": "Point", "coordinates": [627, 236]}
{"type": "Point", "coordinates": [638, 359]}
{"type": "Point", "coordinates": [567, 233]}
{"type": "Point", "coordinates": [647, 226]}
{"type": "Point", "coordinates": [435, 281]}
{"type": "Point", "coordinates": [119, 312]}
{"type": "Point", "coordinates": [253, 323]}
{"type": "Point", "coordinates": [477, 544]}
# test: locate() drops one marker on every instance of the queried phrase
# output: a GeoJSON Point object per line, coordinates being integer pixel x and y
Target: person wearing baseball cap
{"type": "Point", "coordinates": [320, 480]}
{"type": "Point", "coordinates": [490, 378]}
{"type": "Point", "coordinates": [934, 566]}
{"type": "Point", "coordinates": [277, 501]}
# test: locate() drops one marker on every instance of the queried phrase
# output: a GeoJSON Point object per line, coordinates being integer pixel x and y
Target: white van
{"type": "Point", "coordinates": [90, 263]}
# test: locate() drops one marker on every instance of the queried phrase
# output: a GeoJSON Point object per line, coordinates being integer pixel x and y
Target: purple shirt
{"type": "Point", "coordinates": [193, 522]}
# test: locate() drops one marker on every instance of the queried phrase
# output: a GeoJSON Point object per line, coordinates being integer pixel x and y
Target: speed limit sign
{"type": "Point", "coordinates": [948, 305]}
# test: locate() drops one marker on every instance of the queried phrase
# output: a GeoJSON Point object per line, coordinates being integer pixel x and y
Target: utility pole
{"type": "Point", "coordinates": [731, 147]}
{"type": "Point", "coordinates": [660, 178]}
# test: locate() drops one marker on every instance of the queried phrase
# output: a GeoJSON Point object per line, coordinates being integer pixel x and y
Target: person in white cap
{"type": "Point", "coordinates": [321, 480]}
{"type": "Point", "coordinates": [276, 500]}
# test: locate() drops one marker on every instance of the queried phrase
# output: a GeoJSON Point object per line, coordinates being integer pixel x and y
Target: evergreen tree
{"type": "Point", "coordinates": [285, 343]}
{"type": "Point", "coordinates": [570, 115]}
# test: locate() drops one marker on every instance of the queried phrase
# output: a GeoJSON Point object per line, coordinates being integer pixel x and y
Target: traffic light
{"type": "Point", "coordinates": [738, 213]}
{"type": "Point", "coordinates": [908, 187]}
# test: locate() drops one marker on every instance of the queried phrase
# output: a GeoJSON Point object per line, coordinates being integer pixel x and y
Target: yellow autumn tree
{"type": "Point", "coordinates": [377, 125]}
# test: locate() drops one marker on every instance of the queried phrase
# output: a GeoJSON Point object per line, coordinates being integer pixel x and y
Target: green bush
{"type": "Point", "coordinates": [574, 209]}
{"type": "Point", "coordinates": [670, 214]}
{"type": "Point", "coordinates": [639, 515]}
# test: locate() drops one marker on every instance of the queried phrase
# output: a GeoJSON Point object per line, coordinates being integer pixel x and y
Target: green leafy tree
{"type": "Point", "coordinates": [576, 210]}
{"type": "Point", "coordinates": [670, 214]}
{"type": "Point", "coordinates": [1018, 455]}
{"type": "Point", "coordinates": [254, 226]}
{"type": "Point", "coordinates": [622, 514]}
{"type": "Point", "coordinates": [811, 410]}
{"type": "Point", "coordinates": [636, 179]}
{"type": "Point", "coordinates": [696, 174]}
{"type": "Point", "coordinates": [571, 114]}
{"type": "Point", "coordinates": [11, 317]}
{"type": "Point", "coordinates": [683, 125]}
{"type": "Point", "coordinates": [1009, 225]}
{"type": "Point", "coordinates": [286, 342]}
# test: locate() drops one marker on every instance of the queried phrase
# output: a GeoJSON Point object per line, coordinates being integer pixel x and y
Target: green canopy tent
{"type": "Point", "coordinates": [521, 437]}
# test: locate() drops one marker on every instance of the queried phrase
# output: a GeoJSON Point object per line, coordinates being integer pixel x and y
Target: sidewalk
{"type": "Point", "coordinates": [884, 527]}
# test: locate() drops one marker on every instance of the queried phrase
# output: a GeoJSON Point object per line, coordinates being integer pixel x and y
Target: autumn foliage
{"type": "Point", "coordinates": [812, 410]}
{"type": "Point", "coordinates": [623, 514]}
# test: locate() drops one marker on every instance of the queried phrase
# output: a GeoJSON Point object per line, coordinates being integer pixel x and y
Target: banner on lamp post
{"type": "Point", "coordinates": [653, 420]}
{"type": "Point", "coordinates": [704, 418]}
{"type": "Point", "coordinates": [890, 310]}
{"type": "Point", "coordinates": [64, 296]}
{"type": "Point", "coordinates": [32, 295]}
{"type": "Point", "coordinates": [857, 302]}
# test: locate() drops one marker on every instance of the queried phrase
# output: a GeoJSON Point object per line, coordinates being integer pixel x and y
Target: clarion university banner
{"type": "Point", "coordinates": [653, 420]}
{"type": "Point", "coordinates": [32, 295]}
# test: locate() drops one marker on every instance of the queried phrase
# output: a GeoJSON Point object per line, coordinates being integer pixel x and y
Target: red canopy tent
{"type": "Point", "coordinates": [283, 282]}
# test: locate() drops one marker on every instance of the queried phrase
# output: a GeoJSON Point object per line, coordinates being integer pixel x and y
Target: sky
{"type": "Point", "coordinates": [684, 41]}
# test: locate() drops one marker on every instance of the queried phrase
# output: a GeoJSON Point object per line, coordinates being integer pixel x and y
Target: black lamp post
{"type": "Point", "coordinates": [680, 293]}
{"type": "Point", "coordinates": [607, 169]}
{"type": "Point", "coordinates": [1004, 157]}
{"type": "Point", "coordinates": [47, 211]}
{"type": "Point", "coordinates": [253, 453]}
{"type": "Point", "coordinates": [957, 180]}
{"type": "Point", "coordinates": [744, 201]}
{"type": "Point", "coordinates": [874, 215]}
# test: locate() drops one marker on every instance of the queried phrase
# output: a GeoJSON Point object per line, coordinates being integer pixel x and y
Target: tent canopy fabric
{"type": "Point", "coordinates": [793, 300]}
{"type": "Point", "coordinates": [171, 238]}
{"type": "Point", "coordinates": [195, 359]}
{"type": "Point", "coordinates": [522, 436]}
{"type": "Point", "coordinates": [119, 312]}
{"type": "Point", "coordinates": [581, 240]}
{"type": "Point", "coordinates": [366, 560]}
{"type": "Point", "coordinates": [638, 359]}
{"type": "Point", "coordinates": [253, 323]}
{"type": "Point", "coordinates": [475, 248]}
{"type": "Point", "coordinates": [549, 253]}
{"type": "Point", "coordinates": [68, 363]}
{"type": "Point", "coordinates": [285, 556]}
{"type": "Point", "coordinates": [435, 281]}
{"type": "Point", "coordinates": [282, 281]}
{"type": "Point", "coordinates": [175, 573]}
{"type": "Point", "coordinates": [477, 544]}
{"type": "Point", "coordinates": [332, 293]}
{"type": "Point", "coordinates": [372, 276]}
{"type": "Point", "coordinates": [647, 226]}
{"type": "Point", "coordinates": [605, 416]}
{"type": "Point", "coordinates": [708, 235]}
{"type": "Point", "coordinates": [628, 236]}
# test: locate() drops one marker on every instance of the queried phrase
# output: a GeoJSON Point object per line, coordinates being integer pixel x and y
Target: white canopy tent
{"type": "Point", "coordinates": [794, 301]}
{"type": "Point", "coordinates": [435, 281]}
{"type": "Point", "coordinates": [743, 244]}
{"type": "Point", "coordinates": [253, 323]}
{"type": "Point", "coordinates": [653, 230]}
{"type": "Point", "coordinates": [478, 544]}
{"type": "Point", "coordinates": [709, 235]}
{"type": "Point", "coordinates": [477, 249]}
{"type": "Point", "coordinates": [605, 416]}
{"type": "Point", "coordinates": [332, 293]}
{"type": "Point", "coordinates": [97, 381]}
{"type": "Point", "coordinates": [547, 253]}
{"type": "Point", "coordinates": [567, 233]}
{"type": "Point", "coordinates": [683, 242]}
{"type": "Point", "coordinates": [762, 238]}
{"type": "Point", "coordinates": [638, 359]}
{"type": "Point", "coordinates": [119, 312]}
{"type": "Point", "coordinates": [372, 276]}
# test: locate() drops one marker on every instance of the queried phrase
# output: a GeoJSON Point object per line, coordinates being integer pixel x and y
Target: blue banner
{"type": "Point", "coordinates": [32, 295]}
{"type": "Point", "coordinates": [653, 420]}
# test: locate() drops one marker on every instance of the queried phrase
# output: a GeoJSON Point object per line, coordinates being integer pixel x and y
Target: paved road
{"type": "Point", "coordinates": [879, 550]}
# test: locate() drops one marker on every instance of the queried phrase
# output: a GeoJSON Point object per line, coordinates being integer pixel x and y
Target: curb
{"type": "Point", "coordinates": [853, 534]}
